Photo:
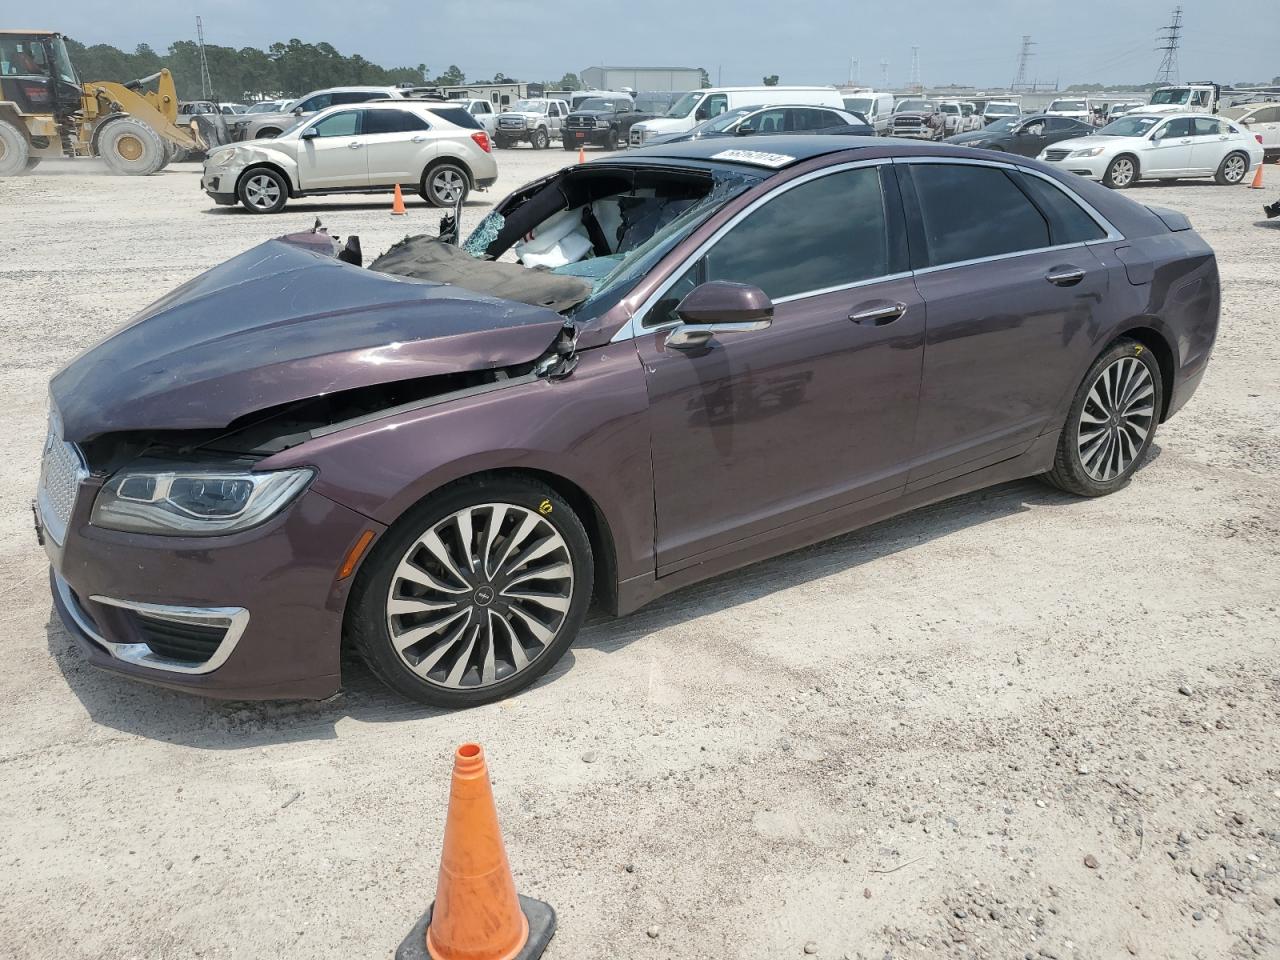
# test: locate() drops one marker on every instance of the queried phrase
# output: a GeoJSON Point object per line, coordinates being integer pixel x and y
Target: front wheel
{"type": "Point", "coordinates": [132, 148]}
{"type": "Point", "coordinates": [611, 140]}
{"type": "Point", "coordinates": [1111, 422]}
{"type": "Point", "coordinates": [566, 144]}
{"type": "Point", "coordinates": [1121, 173]}
{"type": "Point", "coordinates": [263, 191]}
{"type": "Point", "coordinates": [539, 139]}
{"type": "Point", "coordinates": [15, 151]}
{"type": "Point", "coordinates": [445, 184]}
{"type": "Point", "coordinates": [474, 594]}
{"type": "Point", "coordinates": [1232, 170]}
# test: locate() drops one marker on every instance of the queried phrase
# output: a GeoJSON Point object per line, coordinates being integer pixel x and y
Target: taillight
{"type": "Point", "coordinates": [1258, 137]}
{"type": "Point", "coordinates": [482, 141]}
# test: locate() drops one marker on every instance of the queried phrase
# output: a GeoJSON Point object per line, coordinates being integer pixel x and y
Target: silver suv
{"type": "Point", "coordinates": [264, 126]}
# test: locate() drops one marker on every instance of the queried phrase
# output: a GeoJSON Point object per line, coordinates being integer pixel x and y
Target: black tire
{"type": "Point", "coordinates": [611, 140]}
{"type": "Point", "coordinates": [538, 139]}
{"type": "Point", "coordinates": [131, 148]}
{"type": "Point", "coordinates": [1121, 172]}
{"type": "Point", "coordinates": [1232, 170]}
{"type": "Point", "coordinates": [502, 142]}
{"type": "Point", "coordinates": [566, 144]}
{"type": "Point", "coordinates": [262, 190]}
{"type": "Point", "coordinates": [366, 624]}
{"type": "Point", "coordinates": [15, 151]}
{"type": "Point", "coordinates": [32, 163]}
{"type": "Point", "coordinates": [441, 181]}
{"type": "Point", "coordinates": [1070, 470]}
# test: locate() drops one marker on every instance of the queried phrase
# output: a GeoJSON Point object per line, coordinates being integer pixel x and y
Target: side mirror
{"type": "Point", "coordinates": [744, 130]}
{"type": "Point", "coordinates": [310, 133]}
{"type": "Point", "coordinates": [719, 307]}
{"type": "Point", "coordinates": [297, 111]}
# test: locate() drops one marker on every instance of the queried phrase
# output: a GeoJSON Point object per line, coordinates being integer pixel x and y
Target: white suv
{"type": "Point", "coordinates": [435, 149]}
{"type": "Point", "coordinates": [256, 126]}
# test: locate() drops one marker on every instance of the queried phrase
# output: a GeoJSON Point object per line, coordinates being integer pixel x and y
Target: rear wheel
{"type": "Point", "coordinates": [1111, 422]}
{"type": "Point", "coordinates": [132, 148]}
{"type": "Point", "coordinates": [15, 152]}
{"type": "Point", "coordinates": [1121, 172]}
{"type": "Point", "coordinates": [475, 593]}
{"type": "Point", "coordinates": [1232, 169]}
{"type": "Point", "coordinates": [263, 190]}
{"type": "Point", "coordinates": [445, 184]}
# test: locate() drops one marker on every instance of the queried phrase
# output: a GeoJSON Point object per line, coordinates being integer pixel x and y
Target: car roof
{"type": "Point", "coordinates": [795, 148]}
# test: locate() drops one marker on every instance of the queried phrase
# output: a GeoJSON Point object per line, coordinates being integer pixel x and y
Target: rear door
{"type": "Point", "coordinates": [761, 429]}
{"type": "Point", "coordinates": [335, 156]}
{"type": "Point", "coordinates": [1011, 289]}
{"type": "Point", "coordinates": [1211, 140]}
{"type": "Point", "coordinates": [1171, 153]}
{"type": "Point", "coordinates": [399, 145]}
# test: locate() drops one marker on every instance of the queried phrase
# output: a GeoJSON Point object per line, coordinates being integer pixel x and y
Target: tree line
{"type": "Point", "coordinates": [282, 70]}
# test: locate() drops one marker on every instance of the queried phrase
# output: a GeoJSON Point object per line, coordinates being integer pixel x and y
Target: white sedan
{"type": "Point", "coordinates": [1146, 146]}
{"type": "Point", "coordinates": [437, 150]}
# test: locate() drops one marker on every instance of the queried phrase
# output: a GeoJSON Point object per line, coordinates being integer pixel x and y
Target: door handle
{"type": "Point", "coordinates": [1065, 276]}
{"type": "Point", "coordinates": [354, 146]}
{"type": "Point", "coordinates": [879, 315]}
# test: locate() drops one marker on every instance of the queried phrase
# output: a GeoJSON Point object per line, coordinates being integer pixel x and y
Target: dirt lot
{"type": "Point", "coordinates": [1012, 724]}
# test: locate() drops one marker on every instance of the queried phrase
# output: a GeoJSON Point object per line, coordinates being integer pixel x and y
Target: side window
{"type": "Point", "coordinates": [713, 106]}
{"type": "Point", "coordinates": [1208, 126]}
{"type": "Point", "coordinates": [1180, 127]}
{"type": "Point", "coordinates": [768, 121]}
{"type": "Point", "coordinates": [392, 121]}
{"type": "Point", "coordinates": [1058, 124]}
{"type": "Point", "coordinates": [553, 111]}
{"type": "Point", "coordinates": [1068, 222]}
{"type": "Point", "coordinates": [825, 233]}
{"type": "Point", "coordinates": [316, 103]}
{"type": "Point", "coordinates": [344, 124]}
{"type": "Point", "coordinates": [355, 96]}
{"type": "Point", "coordinates": [1267, 115]}
{"type": "Point", "coordinates": [1034, 128]}
{"type": "Point", "coordinates": [1201, 98]}
{"type": "Point", "coordinates": [972, 211]}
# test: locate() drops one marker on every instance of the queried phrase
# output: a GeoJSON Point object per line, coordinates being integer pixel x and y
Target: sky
{"type": "Point", "coordinates": [737, 41]}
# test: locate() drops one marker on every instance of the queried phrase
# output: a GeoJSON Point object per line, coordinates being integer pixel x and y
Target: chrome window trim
{"type": "Point", "coordinates": [634, 327]}
{"type": "Point", "coordinates": [232, 619]}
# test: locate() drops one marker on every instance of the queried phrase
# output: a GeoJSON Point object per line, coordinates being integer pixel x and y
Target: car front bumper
{"type": "Point", "coordinates": [1091, 168]}
{"type": "Point", "coordinates": [220, 183]}
{"type": "Point", "coordinates": [255, 615]}
{"type": "Point", "coordinates": [586, 137]}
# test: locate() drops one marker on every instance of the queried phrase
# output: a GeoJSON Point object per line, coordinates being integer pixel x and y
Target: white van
{"type": "Point", "coordinates": [876, 107]}
{"type": "Point", "coordinates": [1076, 108]}
{"type": "Point", "coordinates": [699, 105]}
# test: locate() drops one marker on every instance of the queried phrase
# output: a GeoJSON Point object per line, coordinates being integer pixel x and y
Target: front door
{"type": "Point", "coordinates": [756, 430]}
{"type": "Point", "coordinates": [335, 156]}
{"type": "Point", "coordinates": [1171, 153]}
{"type": "Point", "coordinates": [1010, 287]}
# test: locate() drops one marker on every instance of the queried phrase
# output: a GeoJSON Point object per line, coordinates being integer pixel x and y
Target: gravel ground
{"type": "Point", "coordinates": [1013, 724]}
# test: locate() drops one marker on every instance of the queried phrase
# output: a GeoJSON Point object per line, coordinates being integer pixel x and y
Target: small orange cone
{"type": "Point", "coordinates": [1257, 177]}
{"type": "Point", "coordinates": [477, 914]}
{"type": "Point", "coordinates": [397, 205]}
{"type": "Point", "coordinates": [582, 154]}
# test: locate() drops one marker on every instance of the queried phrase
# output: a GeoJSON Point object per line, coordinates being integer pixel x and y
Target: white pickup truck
{"type": "Point", "coordinates": [537, 122]}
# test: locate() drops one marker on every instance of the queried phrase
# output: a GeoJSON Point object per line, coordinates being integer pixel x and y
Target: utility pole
{"type": "Point", "coordinates": [1024, 55]}
{"type": "Point", "coordinates": [855, 74]}
{"type": "Point", "coordinates": [914, 83]}
{"type": "Point", "coordinates": [1169, 35]}
{"type": "Point", "coordinates": [206, 82]}
{"type": "Point", "coordinates": [884, 74]}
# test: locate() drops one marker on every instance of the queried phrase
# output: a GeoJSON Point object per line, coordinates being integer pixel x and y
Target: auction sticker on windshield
{"type": "Point", "coordinates": [757, 157]}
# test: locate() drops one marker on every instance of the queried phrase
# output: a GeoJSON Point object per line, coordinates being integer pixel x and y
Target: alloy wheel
{"type": "Point", "coordinates": [1233, 170]}
{"type": "Point", "coordinates": [1116, 420]}
{"type": "Point", "coordinates": [262, 191]}
{"type": "Point", "coordinates": [447, 185]}
{"type": "Point", "coordinates": [1122, 172]}
{"type": "Point", "coordinates": [480, 595]}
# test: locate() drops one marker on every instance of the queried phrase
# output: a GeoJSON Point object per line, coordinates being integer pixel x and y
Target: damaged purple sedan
{"type": "Point", "coordinates": [687, 359]}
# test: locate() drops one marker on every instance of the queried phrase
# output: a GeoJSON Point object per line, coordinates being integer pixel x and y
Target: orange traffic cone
{"type": "Point", "coordinates": [477, 914]}
{"type": "Point", "coordinates": [582, 154]}
{"type": "Point", "coordinates": [1257, 177]}
{"type": "Point", "coordinates": [397, 205]}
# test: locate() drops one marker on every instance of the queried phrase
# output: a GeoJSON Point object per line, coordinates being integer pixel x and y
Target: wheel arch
{"type": "Point", "coordinates": [279, 168]}
{"type": "Point", "coordinates": [454, 158]}
{"type": "Point", "coordinates": [1162, 348]}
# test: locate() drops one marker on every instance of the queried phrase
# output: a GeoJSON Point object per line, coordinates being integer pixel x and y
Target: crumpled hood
{"type": "Point", "coordinates": [281, 323]}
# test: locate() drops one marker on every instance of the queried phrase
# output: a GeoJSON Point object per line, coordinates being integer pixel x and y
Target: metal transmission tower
{"type": "Point", "coordinates": [884, 74]}
{"type": "Point", "coordinates": [1169, 35]}
{"type": "Point", "coordinates": [206, 82]}
{"type": "Point", "coordinates": [914, 82]}
{"type": "Point", "coordinates": [1024, 55]}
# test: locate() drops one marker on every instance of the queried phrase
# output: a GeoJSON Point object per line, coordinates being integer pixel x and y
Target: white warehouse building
{"type": "Point", "coordinates": [642, 78]}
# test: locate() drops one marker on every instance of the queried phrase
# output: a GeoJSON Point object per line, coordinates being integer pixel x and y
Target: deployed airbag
{"type": "Point", "coordinates": [426, 258]}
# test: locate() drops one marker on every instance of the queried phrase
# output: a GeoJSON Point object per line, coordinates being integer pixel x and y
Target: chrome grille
{"type": "Point", "coordinates": [580, 122]}
{"type": "Point", "coordinates": [61, 471]}
{"type": "Point", "coordinates": [514, 123]}
{"type": "Point", "coordinates": [636, 137]}
{"type": "Point", "coordinates": [1056, 154]}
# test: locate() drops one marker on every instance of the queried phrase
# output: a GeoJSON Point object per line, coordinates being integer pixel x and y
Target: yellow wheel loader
{"type": "Point", "coordinates": [45, 111]}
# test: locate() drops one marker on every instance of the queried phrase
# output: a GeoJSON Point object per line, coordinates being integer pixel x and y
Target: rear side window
{"type": "Point", "coordinates": [970, 212]}
{"type": "Point", "coordinates": [1068, 222]}
{"type": "Point", "coordinates": [355, 96]}
{"type": "Point", "coordinates": [392, 121]}
{"type": "Point", "coordinates": [825, 233]}
{"type": "Point", "coordinates": [458, 116]}
{"type": "Point", "coordinates": [1208, 126]}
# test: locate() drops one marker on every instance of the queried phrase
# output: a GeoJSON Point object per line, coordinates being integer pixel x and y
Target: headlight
{"type": "Point", "coordinates": [602, 124]}
{"type": "Point", "coordinates": [194, 500]}
{"type": "Point", "coordinates": [221, 158]}
{"type": "Point", "coordinates": [1090, 152]}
